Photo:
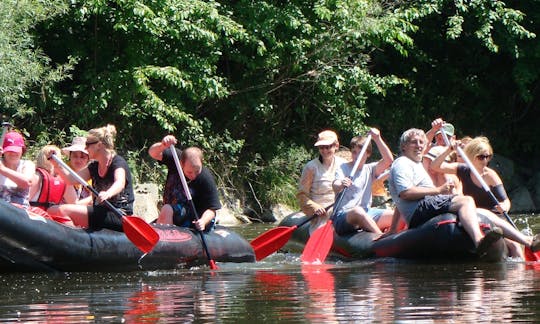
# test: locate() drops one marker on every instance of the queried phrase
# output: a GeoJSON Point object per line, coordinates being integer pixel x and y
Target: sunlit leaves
{"type": "Point", "coordinates": [22, 65]}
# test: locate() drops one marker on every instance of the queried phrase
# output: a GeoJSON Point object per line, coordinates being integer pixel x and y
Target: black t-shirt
{"type": "Point", "coordinates": [203, 189]}
{"type": "Point", "coordinates": [125, 198]}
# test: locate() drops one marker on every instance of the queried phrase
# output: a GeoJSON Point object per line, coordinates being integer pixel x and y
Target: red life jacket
{"type": "Point", "coordinates": [51, 191]}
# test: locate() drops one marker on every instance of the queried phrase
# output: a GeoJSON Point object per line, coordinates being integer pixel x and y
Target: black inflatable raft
{"type": "Point", "coordinates": [33, 243]}
{"type": "Point", "coordinates": [441, 238]}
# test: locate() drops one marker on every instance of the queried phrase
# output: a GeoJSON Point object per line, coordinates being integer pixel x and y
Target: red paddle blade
{"type": "Point", "coordinates": [530, 255]}
{"type": "Point", "coordinates": [212, 265]}
{"type": "Point", "coordinates": [271, 241]}
{"type": "Point", "coordinates": [319, 244]}
{"type": "Point", "coordinates": [140, 233]}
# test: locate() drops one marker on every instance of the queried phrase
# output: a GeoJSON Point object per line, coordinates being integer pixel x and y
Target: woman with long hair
{"type": "Point", "coordinates": [110, 177]}
{"type": "Point", "coordinates": [480, 152]}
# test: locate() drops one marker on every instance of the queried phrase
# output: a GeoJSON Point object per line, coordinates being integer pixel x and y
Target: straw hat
{"type": "Point", "coordinates": [77, 145]}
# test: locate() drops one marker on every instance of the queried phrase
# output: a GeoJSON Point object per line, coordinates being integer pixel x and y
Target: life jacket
{"type": "Point", "coordinates": [51, 191]}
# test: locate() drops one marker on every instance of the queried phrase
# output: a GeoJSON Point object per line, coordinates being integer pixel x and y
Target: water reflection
{"type": "Point", "coordinates": [320, 287]}
{"type": "Point", "coordinates": [280, 289]}
{"type": "Point", "coordinates": [375, 291]}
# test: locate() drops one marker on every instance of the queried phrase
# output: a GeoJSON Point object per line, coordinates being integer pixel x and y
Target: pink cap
{"type": "Point", "coordinates": [14, 142]}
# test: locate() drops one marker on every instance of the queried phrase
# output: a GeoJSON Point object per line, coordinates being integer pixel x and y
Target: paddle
{"type": "Point", "coordinates": [320, 241]}
{"type": "Point", "coordinates": [529, 254]}
{"type": "Point", "coordinates": [274, 239]}
{"type": "Point", "coordinates": [139, 232]}
{"type": "Point", "coordinates": [211, 262]}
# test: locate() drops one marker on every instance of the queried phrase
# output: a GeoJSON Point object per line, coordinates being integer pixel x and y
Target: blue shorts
{"type": "Point", "coordinates": [342, 227]}
{"type": "Point", "coordinates": [429, 207]}
{"type": "Point", "coordinates": [183, 218]}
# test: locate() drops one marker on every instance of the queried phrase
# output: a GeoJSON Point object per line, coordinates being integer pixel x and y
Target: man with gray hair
{"type": "Point", "coordinates": [417, 198]}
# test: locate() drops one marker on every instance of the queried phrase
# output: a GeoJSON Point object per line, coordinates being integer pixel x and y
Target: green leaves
{"type": "Point", "coordinates": [22, 64]}
{"type": "Point", "coordinates": [230, 75]}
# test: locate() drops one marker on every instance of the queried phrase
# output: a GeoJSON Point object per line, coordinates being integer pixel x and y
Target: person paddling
{"type": "Point", "coordinates": [201, 183]}
{"type": "Point", "coordinates": [111, 178]}
{"type": "Point", "coordinates": [16, 174]}
{"type": "Point", "coordinates": [479, 152]}
{"type": "Point", "coordinates": [418, 200]}
{"type": "Point", "coordinates": [315, 190]}
{"type": "Point", "coordinates": [355, 211]}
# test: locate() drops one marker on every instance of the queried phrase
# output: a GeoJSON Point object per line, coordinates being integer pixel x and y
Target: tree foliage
{"type": "Point", "coordinates": [23, 66]}
{"type": "Point", "coordinates": [253, 81]}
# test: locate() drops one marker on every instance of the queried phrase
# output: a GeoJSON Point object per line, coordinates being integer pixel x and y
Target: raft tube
{"type": "Point", "coordinates": [441, 238]}
{"type": "Point", "coordinates": [30, 243]}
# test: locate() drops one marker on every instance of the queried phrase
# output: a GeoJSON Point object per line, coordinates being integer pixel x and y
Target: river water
{"type": "Point", "coordinates": [280, 289]}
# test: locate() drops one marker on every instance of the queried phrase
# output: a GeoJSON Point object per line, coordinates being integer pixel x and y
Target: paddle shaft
{"type": "Point", "coordinates": [353, 172]}
{"type": "Point", "coordinates": [478, 177]}
{"type": "Point", "coordinates": [85, 184]}
{"type": "Point", "coordinates": [320, 242]}
{"type": "Point", "coordinates": [193, 209]}
{"type": "Point", "coordinates": [310, 218]}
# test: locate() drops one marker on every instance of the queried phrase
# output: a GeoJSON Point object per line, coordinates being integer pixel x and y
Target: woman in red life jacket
{"type": "Point", "coordinates": [48, 188]}
{"type": "Point", "coordinates": [78, 160]}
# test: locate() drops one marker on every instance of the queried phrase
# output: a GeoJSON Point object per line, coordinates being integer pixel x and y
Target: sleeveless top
{"type": "Point", "coordinates": [316, 184]}
{"type": "Point", "coordinates": [10, 192]}
{"type": "Point", "coordinates": [480, 196]}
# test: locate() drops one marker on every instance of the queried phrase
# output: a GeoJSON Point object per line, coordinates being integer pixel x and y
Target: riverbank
{"type": "Point", "coordinates": [522, 185]}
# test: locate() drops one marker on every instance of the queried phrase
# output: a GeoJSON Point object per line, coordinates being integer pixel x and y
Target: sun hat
{"type": "Point", "coordinates": [14, 142]}
{"type": "Point", "coordinates": [77, 145]}
{"type": "Point", "coordinates": [448, 129]}
{"type": "Point", "coordinates": [326, 137]}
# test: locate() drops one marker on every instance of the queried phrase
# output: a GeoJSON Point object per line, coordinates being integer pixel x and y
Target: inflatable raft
{"type": "Point", "coordinates": [441, 238]}
{"type": "Point", "coordinates": [33, 243]}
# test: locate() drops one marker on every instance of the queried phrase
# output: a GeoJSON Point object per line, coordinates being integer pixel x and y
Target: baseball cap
{"type": "Point", "coordinates": [14, 142]}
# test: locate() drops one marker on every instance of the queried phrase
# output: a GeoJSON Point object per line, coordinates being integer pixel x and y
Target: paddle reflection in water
{"type": "Point", "coordinates": [280, 289]}
{"type": "Point", "coordinates": [321, 291]}
{"type": "Point", "coordinates": [179, 302]}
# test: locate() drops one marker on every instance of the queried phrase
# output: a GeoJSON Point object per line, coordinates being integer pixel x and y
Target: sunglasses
{"type": "Point", "coordinates": [325, 147]}
{"type": "Point", "coordinates": [482, 157]}
{"type": "Point", "coordinates": [91, 143]}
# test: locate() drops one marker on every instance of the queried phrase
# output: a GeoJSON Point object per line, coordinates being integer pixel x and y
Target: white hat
{"type": "Point", "coordinates": [326, 137]}
{"type": "Point", "coordinates": [77, 145]}
{"type": "Point", "coordinates": [447, 128]}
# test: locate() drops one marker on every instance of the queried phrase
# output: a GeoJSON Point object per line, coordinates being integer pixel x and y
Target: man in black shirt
{"type": "Point", "coordinates": [201, 184]}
